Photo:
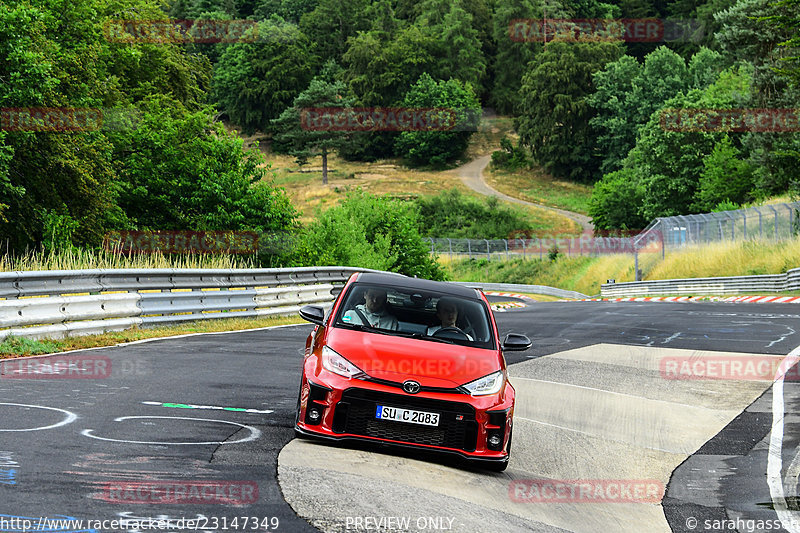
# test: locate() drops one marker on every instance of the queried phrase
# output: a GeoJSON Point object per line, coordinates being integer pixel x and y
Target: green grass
{"type": "Point", "coordinates": [586, 274]}
{"type": "Point", "coordinates": [75, 259]}
{"type": "Point", "coordinates": [16, 346]}
{"type": "Point", "coordinates": [538, 187]}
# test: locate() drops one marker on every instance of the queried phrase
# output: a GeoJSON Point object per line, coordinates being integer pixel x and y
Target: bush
{"type": "Point", "coordinates": [369, 232]}
{"type": "Point", "coordinates": [438, 148]}
{"type": "Point", "coordinates": [182, 171]}
{"type": "Point", "coordinates": [451, 214]}
{"type": "Point", "coordinates": [510, 157]}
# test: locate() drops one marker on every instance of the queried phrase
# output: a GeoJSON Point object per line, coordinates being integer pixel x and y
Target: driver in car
{"type": "Point", "coordinates": [372, 312]}
{"type": "Point", "coordinates": [447, 313]}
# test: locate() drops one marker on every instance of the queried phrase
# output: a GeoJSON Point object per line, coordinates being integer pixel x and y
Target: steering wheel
{"type": "Point", "coordinates": [450, 332]}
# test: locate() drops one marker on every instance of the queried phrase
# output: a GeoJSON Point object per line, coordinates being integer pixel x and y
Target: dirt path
{"type": "Point", "coordinates": [472, 176]}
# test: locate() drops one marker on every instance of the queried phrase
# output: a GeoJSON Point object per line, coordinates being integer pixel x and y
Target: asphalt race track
{"type": "Point", "coordinates": [610, 434]}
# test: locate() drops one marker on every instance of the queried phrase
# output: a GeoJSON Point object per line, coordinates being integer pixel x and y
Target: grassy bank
{"type": "Point", "coordinates": [538, 187]}
{"type": "Point", "coordinates": [586, 274]}
{"type": "Point", "coordinates": [392, 177]}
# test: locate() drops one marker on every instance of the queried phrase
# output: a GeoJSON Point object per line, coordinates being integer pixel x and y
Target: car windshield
{"type": "Point", "coordinates": [432, 316]}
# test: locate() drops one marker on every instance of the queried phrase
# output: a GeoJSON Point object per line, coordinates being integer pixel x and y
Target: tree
{"type": "Point", "coordinates": [725, 177]}
{"type": "Point", "coordinates": [380, 71]}
{"type": "Point", "coordinates": [254, 82]}
{"type": "Point", "coordinates": [627, 93]}
{"type": "Point", "coordinates": [662, 175]}
{"type": "Point", "coordinates": [331, 23]}
{"type": "Point", "coordinates": [616, 200]}
{"type": "Point", "coordinates": [458, 101]}
{"type": "Point", "coordinates": [179, 170]}
{"type": "Point", "coordinates": [555, 113]}
{"type": "Point", "coordinates": [789, 21]}
{"type": "Point", "coordinates": [514, 52]}
{"type": "Point", "coordinates": [305, 140]}
{"type": "Point", "coordinates": [460, 52]}
{"type": "Point", "coordinates": [290, 10]}
{"type": "Point", "coordinates": [615, 121]}
{"type": "Point", "coordinates": [752, 31]}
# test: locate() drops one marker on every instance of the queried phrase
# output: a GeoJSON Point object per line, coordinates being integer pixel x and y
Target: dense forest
{"type": "Point", "coordinates": [588, 107]}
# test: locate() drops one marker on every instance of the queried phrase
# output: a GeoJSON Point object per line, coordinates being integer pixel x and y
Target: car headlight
{"type": "Point", "coordinates": [333, 362]}
{"type": "Point", "coordinates": [490, 384]}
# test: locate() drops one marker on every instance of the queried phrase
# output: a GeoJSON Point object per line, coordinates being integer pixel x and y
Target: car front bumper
{"type": "Point", "coordinates": [473, 427]}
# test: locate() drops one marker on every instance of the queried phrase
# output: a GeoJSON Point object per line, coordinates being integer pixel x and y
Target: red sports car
{"type": "Point", "coordinates": [409, 362]}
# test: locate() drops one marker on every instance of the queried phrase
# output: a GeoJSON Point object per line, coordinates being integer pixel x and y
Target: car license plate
{"type": "Point", "coordinates": [407, 415]}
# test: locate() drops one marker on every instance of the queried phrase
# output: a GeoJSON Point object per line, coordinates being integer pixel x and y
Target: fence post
{"type": "Point", "coordinates": [450, 244]}
{"type": "Point", "coordinates": [469, 247]}
{"type": "Point", "coordinates": [488, 253]}
{"type": "Point", "coordinates": [506, 242]}
{"type": "Point", "coordinates": [776, 221]}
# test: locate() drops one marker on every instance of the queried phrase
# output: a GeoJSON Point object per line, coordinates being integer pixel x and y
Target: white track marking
{"type": "Point", "coordinates": [774, 459]}
{"type": "Point", "coordinates": [68, 419]}
{"type": "Point", "coordinates": [254, 433]}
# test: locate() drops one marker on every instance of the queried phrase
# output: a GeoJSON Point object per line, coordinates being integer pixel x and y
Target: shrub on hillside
{"type": "Point", "coordinates": [451, 214]}
{"type": "Point", "coordinates": [369, 232]}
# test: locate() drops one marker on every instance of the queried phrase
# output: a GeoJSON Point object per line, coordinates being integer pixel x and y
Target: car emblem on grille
{"type": "Point", "coordinates": [411, 387]}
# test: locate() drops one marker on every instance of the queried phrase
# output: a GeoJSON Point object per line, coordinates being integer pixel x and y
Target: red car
{"type": "Point", "coordinates": [409, 362]}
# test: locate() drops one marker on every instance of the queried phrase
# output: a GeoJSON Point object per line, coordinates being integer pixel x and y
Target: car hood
{"type": "Point", "coordinates": [431, 363]}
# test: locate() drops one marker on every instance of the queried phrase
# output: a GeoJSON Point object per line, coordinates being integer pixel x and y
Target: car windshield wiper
{"type": "Point", "coordinates": [365, 327]}
{"type": "Point", "coordinates": [432, 338]}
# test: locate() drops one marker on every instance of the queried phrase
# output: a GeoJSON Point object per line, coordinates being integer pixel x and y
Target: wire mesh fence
{"type": "Point", "coordinates": [541, 248]}
{"type": "Point", "coordinates": [775, 222]}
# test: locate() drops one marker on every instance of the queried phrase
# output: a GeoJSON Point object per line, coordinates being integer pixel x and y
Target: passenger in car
{"type": "Point", "coordinates": [373, 312]}
{"type": "Point", "coordinates": [447, 313]}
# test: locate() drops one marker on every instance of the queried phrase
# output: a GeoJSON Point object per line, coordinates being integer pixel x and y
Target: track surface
{"type": "Point", "coordinates": [718, 467]}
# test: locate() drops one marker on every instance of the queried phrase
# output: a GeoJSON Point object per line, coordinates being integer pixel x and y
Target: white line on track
{"type": "Point", "coordinates": [69, 418]}
{"type": "Point", "coordinates": [254, 433]}
{"type": "Point", "coordinates": [774, 460]}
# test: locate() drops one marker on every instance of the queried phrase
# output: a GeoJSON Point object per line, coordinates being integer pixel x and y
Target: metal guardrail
{"type": "Point", "coordinates": [789, 281]}
{"type": "Point", "coordinates": [57, 303]}
{"type": "Point", "coordinates": [531, 289]}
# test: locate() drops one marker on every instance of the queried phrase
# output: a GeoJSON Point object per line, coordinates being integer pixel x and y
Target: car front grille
{"type": "Point", "coordinates": [355, 414]}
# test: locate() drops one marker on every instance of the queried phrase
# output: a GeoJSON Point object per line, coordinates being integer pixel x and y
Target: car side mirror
{"type": "Point", "coordinates": [515, 342]}
{"type": "Point", "coordinates": [313, 313]}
